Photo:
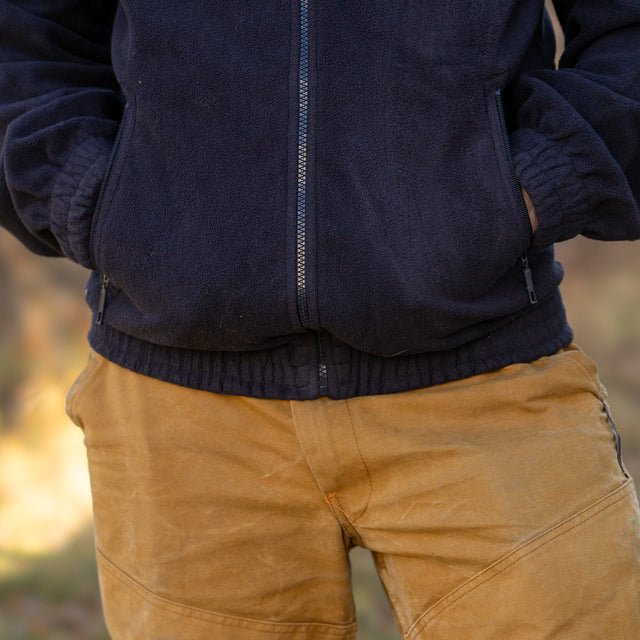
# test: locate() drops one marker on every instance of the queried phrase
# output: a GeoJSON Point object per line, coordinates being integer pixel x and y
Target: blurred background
{"type": "Point", "coordinates": [48, 582]}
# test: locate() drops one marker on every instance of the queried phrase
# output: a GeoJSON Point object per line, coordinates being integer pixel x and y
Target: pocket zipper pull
{"type": "Point", "coordinates": [103, 300]}
{"type": "Point", "coordinates": [528, 278]}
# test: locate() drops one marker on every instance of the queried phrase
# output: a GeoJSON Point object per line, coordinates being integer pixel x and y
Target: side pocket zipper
{"type": "Point", "coordinates": [103, 299]}
{"type": "Point", "coordinates": [524, 259]}
{"type": "Point", "coordinates": [105, 181]}
{"type": "Point", "coordinates": [96, 212]}
{"type": "Point", "coordinates": [528, 278]}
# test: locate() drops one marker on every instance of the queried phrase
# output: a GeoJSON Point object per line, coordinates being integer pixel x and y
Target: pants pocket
{"type": "Point", "coordinates": [591, 371]}
{"type": "Point", "coordinates": [80, 385]}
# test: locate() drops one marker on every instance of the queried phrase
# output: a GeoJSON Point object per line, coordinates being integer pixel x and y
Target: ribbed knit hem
{"type": "Point", "coordinates": [541, 331]}
{"type": "Point", "coordinates": [291, 371]}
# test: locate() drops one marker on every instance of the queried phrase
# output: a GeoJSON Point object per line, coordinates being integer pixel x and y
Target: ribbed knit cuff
{"type": "Point", "coordinates": [553, 180]}
{"type": "Point", "coordinates": [74, 198]}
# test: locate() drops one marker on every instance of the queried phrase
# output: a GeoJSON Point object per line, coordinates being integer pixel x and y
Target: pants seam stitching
{"type": "Point", "coordinates": [215, 617]}
{"type": "Point", "coordinates": [364, 464]}
{"type": "Point", "coordinates": [509, 560]}
{"type": "Point", "coordinates": [345, 525]}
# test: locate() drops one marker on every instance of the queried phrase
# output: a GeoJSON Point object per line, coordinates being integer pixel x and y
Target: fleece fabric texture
{"type": "Point", "coordinates": [303, 198]}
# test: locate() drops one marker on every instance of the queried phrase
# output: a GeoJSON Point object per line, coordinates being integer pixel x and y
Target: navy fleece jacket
{"type": "Point", "coordinates": [304, 198]}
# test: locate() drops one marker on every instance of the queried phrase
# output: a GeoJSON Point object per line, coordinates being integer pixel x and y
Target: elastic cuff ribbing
{"type": "Point", "coordinates": [553, 181]}
{"type": "Point", "coordinates": [74, 198]}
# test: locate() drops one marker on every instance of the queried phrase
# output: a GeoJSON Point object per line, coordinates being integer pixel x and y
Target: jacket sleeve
{"type": "Point", "coordinates": [576, 141]}
{"type": "Point", "coordinates": [59, 108]}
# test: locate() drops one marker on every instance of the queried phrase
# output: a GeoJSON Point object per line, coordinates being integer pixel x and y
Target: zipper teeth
{"type": "Point", "coordinates": [301, 206]}
{"type": "Point", "coordinates": [323, 380]}
{"type": "Point", "coordinates": [301, 202]}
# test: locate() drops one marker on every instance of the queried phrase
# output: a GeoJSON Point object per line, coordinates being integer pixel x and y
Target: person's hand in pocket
{"type": "Point", "coordinates": [531, 209]}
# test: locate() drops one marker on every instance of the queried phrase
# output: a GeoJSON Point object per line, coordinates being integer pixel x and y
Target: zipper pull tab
{"type": "Point", "coordinates": [103, 299]}
{"type": "Point", "coordinates": [528, 278]}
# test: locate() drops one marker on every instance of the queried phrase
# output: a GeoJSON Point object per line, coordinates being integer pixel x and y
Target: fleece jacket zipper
{"type": "Point", "coordinates": [524, 258]}
{"type": "Point", "coordinates": [92, 233]}
{"type": "Point", "coordinates": [302, 299]}
{"type": "Point", "coordinates": [301, 200]}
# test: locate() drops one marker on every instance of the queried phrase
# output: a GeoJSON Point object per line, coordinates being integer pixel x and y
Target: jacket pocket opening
{"type": "Point", "coordinates": [105, 181]}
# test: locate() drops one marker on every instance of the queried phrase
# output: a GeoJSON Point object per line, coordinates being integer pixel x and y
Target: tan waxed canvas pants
{"type": "Point", "coordinates": [495, 508]}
